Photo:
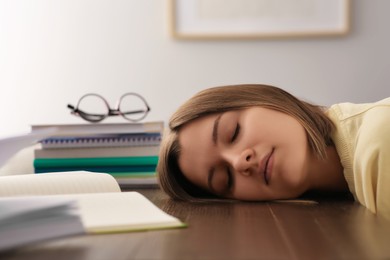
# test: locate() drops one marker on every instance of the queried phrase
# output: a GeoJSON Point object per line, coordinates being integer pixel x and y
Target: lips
{"type": "Point", "coordinates": [266, 166]}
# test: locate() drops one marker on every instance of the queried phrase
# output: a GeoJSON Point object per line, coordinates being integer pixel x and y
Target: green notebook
{"type": "Point", "coordinates": [96, 161]}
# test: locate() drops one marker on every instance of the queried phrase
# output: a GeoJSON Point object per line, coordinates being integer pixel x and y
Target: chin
{"type": "Point", "coordinates": [293, 192]}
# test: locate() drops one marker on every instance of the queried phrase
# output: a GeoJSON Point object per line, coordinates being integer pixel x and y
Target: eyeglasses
{"type": "Point", "coordinates": [94, 108]}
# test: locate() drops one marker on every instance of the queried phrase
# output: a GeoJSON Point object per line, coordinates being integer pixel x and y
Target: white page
{"type": "Point", "coordinates": [18, 206]}
{"type": "Point", "coordinates": [10, 145]}
{"type": "Point", "coordinates": [57, 183]}
{"type": "Point", "coordinates": [105, 212]}
{"type": "Point", "coordinates": [121, 212]}
{"type": "Point", "coordinates": [24, 220]}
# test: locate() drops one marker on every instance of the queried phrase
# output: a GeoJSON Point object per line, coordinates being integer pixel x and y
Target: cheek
{"type": "Point", "coordinates": [294, 161]}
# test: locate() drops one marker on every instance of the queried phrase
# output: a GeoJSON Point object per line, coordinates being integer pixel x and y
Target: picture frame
{"type": "Point", "coordinates": [253, 19]}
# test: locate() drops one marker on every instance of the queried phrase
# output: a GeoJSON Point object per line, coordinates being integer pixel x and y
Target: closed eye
{"type": "Point", "coordinates": [230, 180]}
{"type": "Point", "coordinates": [235, 134]}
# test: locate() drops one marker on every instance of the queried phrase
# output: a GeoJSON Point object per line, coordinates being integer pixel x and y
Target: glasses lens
{"type": "Point", "coordinates": [93, 108]}
{"type": "Point", "coordinates": [133, 107]}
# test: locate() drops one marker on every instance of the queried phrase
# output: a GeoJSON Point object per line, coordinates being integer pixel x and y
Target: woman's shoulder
{"type": "Point", "coordinates": [362, 139]}
{"type": "Point", "coordinates": [347, 110]}
{"type": "Point", "coordinates": [361, 130]}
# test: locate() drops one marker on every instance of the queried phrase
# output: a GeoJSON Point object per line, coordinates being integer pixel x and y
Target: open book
{"type": "Point", "coordinates": [95, 198]}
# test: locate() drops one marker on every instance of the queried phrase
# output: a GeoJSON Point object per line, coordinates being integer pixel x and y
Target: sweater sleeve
{"type": "Point", "coordinates": [371, 163]}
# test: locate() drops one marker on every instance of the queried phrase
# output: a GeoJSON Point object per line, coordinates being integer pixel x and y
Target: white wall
{"type": "Point", "coordinates": [54, 51]}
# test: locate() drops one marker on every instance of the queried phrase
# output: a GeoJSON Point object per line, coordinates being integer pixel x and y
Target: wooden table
{"type": "Point", "coordinates": [332, 229]}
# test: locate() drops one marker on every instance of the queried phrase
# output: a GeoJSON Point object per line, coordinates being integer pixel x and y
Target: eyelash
{"type": "Point", "coordinates": [230, 179]}
{"type": "Point", "coordinates": [229, 172]}
{"type": "Point", "coordinates": [235, 134]}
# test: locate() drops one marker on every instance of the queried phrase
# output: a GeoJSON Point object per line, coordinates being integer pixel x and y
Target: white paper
{"type": "Point", "coordinates": [10, 145]}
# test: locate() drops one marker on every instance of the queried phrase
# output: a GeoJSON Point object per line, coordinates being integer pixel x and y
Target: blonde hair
{"type": "Point", "coordinates": [226, 98]}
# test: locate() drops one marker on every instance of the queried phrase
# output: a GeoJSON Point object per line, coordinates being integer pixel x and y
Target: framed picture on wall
{"type": "Point", "coordinates": [231, 19]}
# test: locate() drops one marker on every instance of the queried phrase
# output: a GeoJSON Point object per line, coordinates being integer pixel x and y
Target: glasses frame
{"type": "Point", "coordinates": [95, 118]}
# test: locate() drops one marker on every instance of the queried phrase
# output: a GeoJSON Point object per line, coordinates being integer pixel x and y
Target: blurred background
{"type": "Point", "coordinates": [54, 51]}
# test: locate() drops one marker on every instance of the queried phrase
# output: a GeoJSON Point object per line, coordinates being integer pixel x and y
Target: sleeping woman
{"type": "Point", "coordinates": [260, 143]}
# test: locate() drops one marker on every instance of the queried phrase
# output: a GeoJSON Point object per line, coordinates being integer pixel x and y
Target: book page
{"type": "Point", "coordinates": [26, 220]}
{"type": "Point", "coordinates": [88, 129]}
{"type": "Point", "coordinates": [121, 212]}
{"type": "Point", "coordinates": [10, 145]}
{"type": "Point", "coordinates": [57, 183]}
{"type": "Point", "coordinates": [21, 207]}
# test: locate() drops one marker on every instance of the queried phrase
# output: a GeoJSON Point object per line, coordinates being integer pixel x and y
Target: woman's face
{"type": "Point", "coordinates": [251, 154]}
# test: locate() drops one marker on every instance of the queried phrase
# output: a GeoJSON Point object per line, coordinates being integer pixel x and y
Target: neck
{"type": "Point", "coordinates": [327, 174]}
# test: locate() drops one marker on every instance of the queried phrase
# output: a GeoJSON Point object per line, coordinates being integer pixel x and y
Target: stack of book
{"type": "Point", "coordinates": [127, 151]}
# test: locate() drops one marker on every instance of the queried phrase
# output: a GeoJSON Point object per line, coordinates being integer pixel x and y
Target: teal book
{"type": "Point", "coordinates": [40, 163]}
{"type": "Point", "coordinates": [105, 169]}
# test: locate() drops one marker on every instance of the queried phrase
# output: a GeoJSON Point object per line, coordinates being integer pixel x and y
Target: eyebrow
{"type": "Point", "coordinates": [215, 129]}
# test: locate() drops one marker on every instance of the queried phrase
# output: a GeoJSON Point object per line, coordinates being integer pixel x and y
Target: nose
{"type": "Point", "coordinates": [244, 162]}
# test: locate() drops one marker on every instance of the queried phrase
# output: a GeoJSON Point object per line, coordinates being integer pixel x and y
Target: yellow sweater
{"type": "Point", "coordinates": [362, 139]}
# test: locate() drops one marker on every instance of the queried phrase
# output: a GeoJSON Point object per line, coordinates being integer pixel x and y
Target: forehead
{"type": "Point", "coordinates": [197, 149]}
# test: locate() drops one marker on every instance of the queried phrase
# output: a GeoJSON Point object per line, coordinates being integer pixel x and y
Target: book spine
{"type": "Point", "coordinates": [137, 183]}
{"type": "Point", "coordinates": [107, 169]}
{"type": "Point", "coordinates": [146, 139]}
{"type": "Point", "coordinates": [97, 152]}
{"type": "Point", "coordinates": [102, 128]}
{"type": "Point", "coordinates": [135, 174]}
{"type": "Point", "coordinates": [95, 161]}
